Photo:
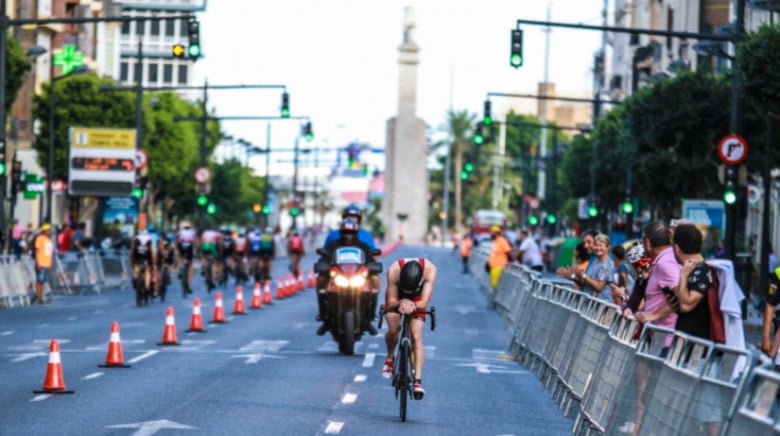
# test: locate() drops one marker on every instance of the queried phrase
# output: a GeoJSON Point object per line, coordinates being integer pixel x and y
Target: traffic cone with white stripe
{"type": "Point", "coordinates": [219, 311]}
{"type": "Point", "coordinates": [114, 358]}
{"type": "Point", "coordinates": [238, 305]}
{"type": "Point", "coordinates": [279, 288]}
{"type": "Point", "coordinates": [300, 283]}
{"type": "Point", "coordinates": [169, 334]}
{"type": "Point", "coordinates": [312, 279]}
{"type": "Point", "coordinates": [257, 299]}
{"type": "Point", "coordinates": [196, 322]}
{"type": "Point", "coordinates": [54, 383]}
{"type": "Point", "coordinates": [267, 292]}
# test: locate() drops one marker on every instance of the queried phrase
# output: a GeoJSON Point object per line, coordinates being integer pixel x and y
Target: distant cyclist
{"type": "Point", "coordinates": [186, 245]}
{"type": "Point", "coordinates": [295, 251]}
{"type": "Point", "coordinates": [210, 244]}
{"type": "Point", "coordinates": [409, 289]}
{"type": "Point", "coordinates": [155, 267]}
{"type": "Point", "coordinates": [265, 253]}
{"type": "Point", "coordinates": [240, 245]}
{"type": "Point", "coordinates": [142, 257]}
{"type": "Point", "coordinates": [226, 258]}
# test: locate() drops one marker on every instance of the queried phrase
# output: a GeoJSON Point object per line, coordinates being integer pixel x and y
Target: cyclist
{"type": "Point", "coordinates": [165, 260]}
{"type": "Point", "coordinates": [155, 267]}
{"type": "Point", "coordinates": [185, 244]}
{"type": "Point", "coordinates": [239, 255]}
{"type": "Point", "coordinates": [142, 255]}
{"type": "Point", "coordinates": [295, 251]}
{"type": "Point", "coordinates": [266, 251]}
{"type": "Point", "coordinates": [210, 244]}
{"type": "Point", "coordinates": [409, 289]}
{"type": "Point", "coordinates": [353, 212]}
{"type": "Point", "coordinates": [226, 259]}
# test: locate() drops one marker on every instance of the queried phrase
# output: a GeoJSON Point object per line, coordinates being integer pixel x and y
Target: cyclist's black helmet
{"type": "Point", "coordinates": [410, 278]}
{"type": "Point", "coordinates": [348, 230]}
{"type": "Point", "coordinates": [352, 210]}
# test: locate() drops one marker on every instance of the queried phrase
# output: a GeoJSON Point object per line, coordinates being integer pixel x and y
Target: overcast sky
{"type": "Point", "coordinates": [338, 59]}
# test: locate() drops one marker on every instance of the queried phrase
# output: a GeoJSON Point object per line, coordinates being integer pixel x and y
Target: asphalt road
{"type": "Point", "coordinates": [262, 373]}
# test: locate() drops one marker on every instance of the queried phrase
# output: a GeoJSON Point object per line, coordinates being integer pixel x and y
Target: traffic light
{"type": "Point", "coordinates": [551, 218]}
{"type": "Point", "coordinates": [256, 208]}
{"type": "Point", "coordinates": [137, 193]}
{"type": "Point", "coordinates": [593, 211]}
{"type": "Point", "coordinates": [211, 209]}
{"type": "Point", "coordinates": [285, 105]}
{"type": "Point", "coordinates": [533, 220]}
{"type": "Point", "coordinates": [266, 209]}
{"type": "Point", "coordinates": [627, 207]}
{"type": "Point", "coordinates": [479, 138]}
{"type": "Point", "coordinates": [307, 132]}
{"type": "Point", "coordinates": [487, 119]}
{"type": "Point", "coordinates": [730, 193]}
{"type": "Point", "coordinates": [202, 200]}
{"type": "Point", "coordinates": [193, 31]}
{"type": "Point", "coordinates": [2, 167]}
{"type": "Point", "coordinates": [468, 166]}
{"type": "Point", "coordinates": [295, 210]}
{"type": "Point", "coordinates": [16, 177]}
{"type": "Point", "coordinates": [516, 56]}
{"type": "Point", "coordinates": [464, 175]}
{"type": "Point", "coordinates": [178, 50]}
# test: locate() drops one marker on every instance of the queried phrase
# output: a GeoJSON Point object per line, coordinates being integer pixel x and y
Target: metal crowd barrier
{"type": "Point", "coordinates": [15, 282]}
{"type": "Point", "coordinates": [616, 377]}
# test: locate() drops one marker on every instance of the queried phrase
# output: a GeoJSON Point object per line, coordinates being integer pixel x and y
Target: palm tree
{"type": "Point", "coordinates": [459, 126]}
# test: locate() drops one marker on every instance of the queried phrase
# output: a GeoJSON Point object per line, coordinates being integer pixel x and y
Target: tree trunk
{"type": "Point", "coordinates": [456, 174]}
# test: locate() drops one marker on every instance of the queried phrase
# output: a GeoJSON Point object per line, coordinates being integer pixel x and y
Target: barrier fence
{"type": "Point", "coordinates": [613, 376]}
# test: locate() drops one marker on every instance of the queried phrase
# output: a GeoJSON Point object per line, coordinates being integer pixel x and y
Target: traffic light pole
{"type": "Point", "coordinates": [3, 51]}
{"type": "Point", "coordinates": [203, 132]}
{"type": "Point", "coordinates": [267, 218]}
{"type": "Point", "coordinates": [296, 150]}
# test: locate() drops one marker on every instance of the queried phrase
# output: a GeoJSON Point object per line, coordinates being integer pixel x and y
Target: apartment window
{"type": "Point", "coordinates": [153, 68]}
{"type": "Point", "coordinates": [155, 27]}
{"type": "Point", "coordinates": [170, 27]}
{"type": "Point", "coordinates": [123, 72]}
{"type": "Point", "coordinates": [167, 73]}
{"type": "Point", "coordinates": [126, 28]}
{"type": "Point", "coordinates": [139, 27]}
{"type": "Point", "coordinates": [183, 28]}
{"type": "Point", "coordinates": [182, 74]}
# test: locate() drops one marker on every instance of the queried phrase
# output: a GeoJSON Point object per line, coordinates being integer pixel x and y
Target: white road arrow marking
{"type": "Point", "coordinates": [91, 376]}
{"type": "Point", "coordinates": [334, 427]}
{"type": "Point", "coordinates": [149, 353]}
{"type": "Point", "coordinates": [26, 356]}
{"type": "Point", "coordinates": [148, 428]}
{"type": "Point", "coordinates": [368, 360]}
{"type": "Point", "coordinates": [254, 357]}
{"type": "Point", "coordinates": [349, 398]}
{"type": "Point", "coordinates": [465, 310]}
{"type": "Point", "coordinates": [261, 345]}
{"type": "Point", "coordinates": [486, 368]}
{"type": "Point", "coordinates": [7, 333]}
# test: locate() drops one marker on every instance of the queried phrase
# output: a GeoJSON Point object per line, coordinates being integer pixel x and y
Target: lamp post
{"type": "Point", "coordinates": [50, 167]}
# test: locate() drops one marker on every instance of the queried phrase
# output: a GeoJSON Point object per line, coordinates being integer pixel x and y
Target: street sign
{"type": "Point", "coordinates": [33, 185]}
{"type": "Point", "coordinates": [141, 159]}
{"type": "Point", "coordinates": [58, 186]}
{"type": "Point", "coordinates": [102, 161]}
{"type": "Point", "coordinates": [732, 149]}
{"type": "Point", "coordinates": [68, 59]}
{"type": "Point", "coordinates": [202, 175]}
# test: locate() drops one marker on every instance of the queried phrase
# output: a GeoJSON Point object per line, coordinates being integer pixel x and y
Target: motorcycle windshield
{"type": "Point", "coordinates": [346, 255]}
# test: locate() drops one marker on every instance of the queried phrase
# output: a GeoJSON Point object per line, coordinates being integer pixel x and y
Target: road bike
{"type": "Point", "coordinates": [141, 292]}
{"type": "Point", "coordinates": [184, 275]}
{"type": "Point", "coordinates": [403, 369]}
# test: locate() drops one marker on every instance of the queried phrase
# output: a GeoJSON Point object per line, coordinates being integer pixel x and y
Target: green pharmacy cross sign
{"type": "Point", "coordinates": [68, 59]}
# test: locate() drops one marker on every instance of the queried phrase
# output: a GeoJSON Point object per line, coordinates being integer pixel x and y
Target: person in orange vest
{"type": "Point", "coordinates": [499, 255]}
{"type": "Point", "coordinates": [465, 252]}
{"type": "Point", "coordinates": [44, 250]}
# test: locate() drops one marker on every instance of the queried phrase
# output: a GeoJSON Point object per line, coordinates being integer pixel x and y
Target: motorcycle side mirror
{"type": "Point", "coordinates": [376, 252]}
{"type": "Point", "coordinates": [322, 252]}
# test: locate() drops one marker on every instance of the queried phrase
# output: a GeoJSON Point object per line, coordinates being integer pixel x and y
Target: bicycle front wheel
{"type": "Point", "coordinates": [403, 379]}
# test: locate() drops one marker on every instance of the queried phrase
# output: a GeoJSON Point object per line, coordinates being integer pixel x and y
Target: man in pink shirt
{"type": "Point", "coordinates": [664, 273]}
{"type": "Point", "coordinates": [17, 235]}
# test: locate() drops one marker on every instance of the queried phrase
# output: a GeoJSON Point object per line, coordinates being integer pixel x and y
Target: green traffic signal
{"type": "Point", "coordinates": [294, 211]}
{"type": "Point", "coordinates": [2, 168]}
{"type": "Point", "coordinates": [469, 166]}
{"type": "Point", "coordinates": [193, 51]}
{"type": "Point", "coordinates": [266, 209]}
{"type": "Point", "coordinates": [593, 211]}
{"type": "Point", "coordinates": [464, 175]}
{"type": "Point", "coordinates": [479, 139]}
{"type": "Point", "coordinates": [308, 137]}
{"type": "Point", "coordinates": [202, 200]}
{"type": "Point", "coordinates": [533, 220]}
{"type": "Point", "coordinates": [729, 197]}
{"type": "Point", "coordinates": [138, 192]}
{"type": "Point", "coordinates": [627, 207]}
{"type": "Point", "coordinates": [211, 209]}
{"type": "Point", "coordinates": [516, 60]}
{"type": "Point", "coordinates": [551, 218]}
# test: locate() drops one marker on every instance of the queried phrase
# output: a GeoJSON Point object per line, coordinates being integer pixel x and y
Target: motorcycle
{"type": "Point", "coordinates": [348, 293]}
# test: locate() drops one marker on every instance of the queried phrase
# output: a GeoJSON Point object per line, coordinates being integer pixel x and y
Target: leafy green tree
{"type": "Point", "coordinates": [759, 67]}
{"type": "Point", "coordinates": [459, 126]}
{"type": "Point", "coordinates": [17, 65]}
{"type": "Point", "coordinates": [235, 190]}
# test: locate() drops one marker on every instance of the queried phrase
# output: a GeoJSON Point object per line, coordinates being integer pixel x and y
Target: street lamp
{"type": "Point", "coordinates": [50, 168]}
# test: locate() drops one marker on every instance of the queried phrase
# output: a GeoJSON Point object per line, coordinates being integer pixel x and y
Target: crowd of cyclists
{"type": "Point", "coordinates": [222, 253]}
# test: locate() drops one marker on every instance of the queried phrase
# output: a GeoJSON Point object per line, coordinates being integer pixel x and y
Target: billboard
{"type": "Point", "coordinates": [101, 161]}
{"type": "Point", "coordinates": [709, 216]}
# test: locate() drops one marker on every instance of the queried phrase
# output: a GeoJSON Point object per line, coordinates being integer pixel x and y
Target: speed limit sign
{"type": "Point", "coordinates": [202, 175]}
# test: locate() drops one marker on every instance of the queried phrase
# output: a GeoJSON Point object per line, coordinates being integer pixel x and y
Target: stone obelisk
{"type": "Point", "coordinates": [405, 203]}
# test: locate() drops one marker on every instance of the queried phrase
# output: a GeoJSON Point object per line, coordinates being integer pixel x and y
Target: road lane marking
{"type": "Point", "coordinates": [368, 361]}
{"type": "Point", "coordinates": [141, 357]}
{"type": "Point", "coordinates": [72, 318]}
{"type": "Point", "coordinates": [262, 345]}
{"type": "Point", "coordinates": [334, 427]}
{"type": "Point", "coordinates": [373, 346]}
{"type": "Point", "coordinates": [40, 397]}
{"type": "Point", "coordinates": [25, 356]}
{"type": "Point", "coordinates": [7, 333]}
{"type": "Point", "coordinates": [349, 398]}
{"type": "Point", "coordinates": [148, 428]}
{"type": "Point", "coordinates": [360, 378]}
{"type": "Point", "coordinates": [91, 376]}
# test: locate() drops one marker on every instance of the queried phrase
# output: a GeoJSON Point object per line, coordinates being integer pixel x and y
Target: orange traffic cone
{"type": "Point", "coordinates": [312, 279]}
{"type": "Point", "coordinates": [238, 306]}
{"type": "Point", "coordinates": [196, 322]}
{"type": "Point", "coordinates": [280, 288]}
{"type": "Point", "coordinates": [219, 311]}
{"type": "Point", "coordinates": [54, 383]}
{"type": "Point", "coordinates": [290, 289]}
{"type": "Point", "coordinates": [169, 334]}
{"type": "Point", "coordinates": [114, 357]}
{"type": "Point", "coordinates": [300, 282]}
{"type": "Point", "coordinates": [257, 299]}
{"type": "Point", "coordinates": [267, 292]}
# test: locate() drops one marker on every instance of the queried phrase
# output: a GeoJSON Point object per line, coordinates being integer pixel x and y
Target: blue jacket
{"type": "Point", "coordinates": [363, 236]}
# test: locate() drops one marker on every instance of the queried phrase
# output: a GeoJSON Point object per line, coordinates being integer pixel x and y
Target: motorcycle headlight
{"type": "Point", "coordinates": [357, 281]}
{"type": "Point", "coordinates": [341, 281]}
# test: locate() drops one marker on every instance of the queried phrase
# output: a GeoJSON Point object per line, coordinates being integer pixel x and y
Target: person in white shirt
{"type": "Point", "coordinates": [529, 253]}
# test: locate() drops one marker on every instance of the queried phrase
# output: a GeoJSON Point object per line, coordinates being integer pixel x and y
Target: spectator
{"type": "Point", "coordinates": [17, 236]}
{"type": "Point", "coordinates": [571, 272]}
{"type": "Point", "coordinates": [600, 271]}
{"type": "Point", "coordinates": [499, 255]}
{"type": "Point", "coordinates": [65, 236]}
{"type": "Point", "coordinates": [772, 260]}
{"type": "Point", "coordinates": [581, 256]}
{"type": "Point", "coordinates": [622, 268]}
{"type": "Point", "coordinates": [43, 262]}
{"type": "Point", "coordinates": [79, 238]}
{"type": "Point", "coordinates": [770, 346]}
{"type": "Point", "coordinates": [640, 271]}
{"type": "Point", "coordinates": [664, 273]}
{"type": "Point", "coordinates": [529, 253]}
{"type": "Point", "coordinates": [465, 252]}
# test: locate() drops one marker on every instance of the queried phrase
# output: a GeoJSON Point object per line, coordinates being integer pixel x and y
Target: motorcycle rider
{"type": "Point", "coordinates": [349, 235]}
{"type": "Point", "coordinates": [409, 289]}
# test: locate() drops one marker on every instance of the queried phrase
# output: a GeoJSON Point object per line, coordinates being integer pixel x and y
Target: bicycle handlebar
{"type": "Point", "coordinates": [432, 313]}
